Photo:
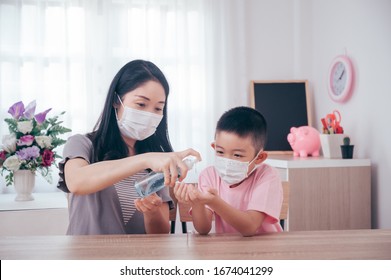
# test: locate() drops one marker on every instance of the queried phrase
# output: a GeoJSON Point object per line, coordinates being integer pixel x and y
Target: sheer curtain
{"type": "Point", "coordinates": [64, 54]}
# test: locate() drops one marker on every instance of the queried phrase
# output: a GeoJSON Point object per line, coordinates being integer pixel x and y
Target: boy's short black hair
{"type": "Point", "coordinates": [244, 121]}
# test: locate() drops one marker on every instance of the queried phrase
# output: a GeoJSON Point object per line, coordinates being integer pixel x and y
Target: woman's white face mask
{"type": "Point", "coordinates": [137, 124]}
{"type": "Point", "coordinates": [232, 171]}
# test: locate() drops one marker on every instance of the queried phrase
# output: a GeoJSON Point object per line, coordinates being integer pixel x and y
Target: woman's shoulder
{"type": "Point", "coordinates": [78, 143]}
{"type": "Point", "coordinates": [79, 139]}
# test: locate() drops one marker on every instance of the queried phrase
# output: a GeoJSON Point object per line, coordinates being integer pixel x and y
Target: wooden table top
{"type": "Point", "coordinates": [304, 245]}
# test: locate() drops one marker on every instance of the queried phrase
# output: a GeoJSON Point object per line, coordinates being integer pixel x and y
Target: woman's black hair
{"type": "Point", "coordinates": [106, 137]}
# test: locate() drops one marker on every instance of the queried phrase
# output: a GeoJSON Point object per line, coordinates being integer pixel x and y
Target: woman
{"type": "Point", "coordinates": [99, 169]}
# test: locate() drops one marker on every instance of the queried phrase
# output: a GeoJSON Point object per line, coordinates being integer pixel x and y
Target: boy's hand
{"type": "Point", "coordinates": [190, 194]}
{"type": "Point", "coordinates": [182, 190]}
{"type": "Point", "coordinates": [198, 197]}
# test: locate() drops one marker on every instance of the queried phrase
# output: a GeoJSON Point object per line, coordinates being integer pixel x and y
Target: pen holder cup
{"type": "Point", "coordinates": [331, 145]}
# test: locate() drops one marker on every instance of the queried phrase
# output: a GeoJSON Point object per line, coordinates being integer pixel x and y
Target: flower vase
{"type": "Point", "coordinates": [331, 145]}
{"type": "Point", "coordinates": [24, 182]}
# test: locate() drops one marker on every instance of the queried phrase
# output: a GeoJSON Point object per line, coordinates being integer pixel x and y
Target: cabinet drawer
{"type": "Point", "coordinates": [34, 222]}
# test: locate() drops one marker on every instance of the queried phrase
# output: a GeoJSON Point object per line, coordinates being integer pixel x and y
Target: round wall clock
{"type": "Point", "coordinates": [340, 78]}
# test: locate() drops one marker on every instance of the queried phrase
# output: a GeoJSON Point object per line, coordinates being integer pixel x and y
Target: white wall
{"type": "Point", "coordinates": [269, 39]}
{"type": "Point", "coordinates": [298, 39]}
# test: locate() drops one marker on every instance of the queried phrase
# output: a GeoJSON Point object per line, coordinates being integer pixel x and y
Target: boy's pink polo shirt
{"type": "Point", "coordinates": [261, 191]}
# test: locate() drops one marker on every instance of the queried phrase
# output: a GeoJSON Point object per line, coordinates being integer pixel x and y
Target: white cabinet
{"type": "Point", "coordinates": [47, 214]}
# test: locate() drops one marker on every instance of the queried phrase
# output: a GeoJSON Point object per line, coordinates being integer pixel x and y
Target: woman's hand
{"type": "Point", "coordinates": [169, 163]}
{"type": "Point", "coordinates": [156, 213]}
{"type": "Point", "coordinates": [148, 204]}
{"type": "Point", "coordinates": [85, 178]}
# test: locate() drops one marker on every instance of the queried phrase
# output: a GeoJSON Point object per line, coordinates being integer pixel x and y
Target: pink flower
{"type": "Point", "coordinates": [47, 158]}
{"type": "Point", "coordinates": [26, 140]}
{"type": "Point", "coordinates": [2, 158]}
{"type": "Point", "coordinates": [2, 155]}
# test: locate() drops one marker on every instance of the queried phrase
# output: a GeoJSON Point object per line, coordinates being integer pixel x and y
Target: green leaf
{"type": "Point", "coordinates": [58, 142]}
{"type": "Point", "coordinates": [9, 179]}
{"type": "Point", "coordinates": [57, 130]}
{"type": "Point", "coordinates": [12, 125]}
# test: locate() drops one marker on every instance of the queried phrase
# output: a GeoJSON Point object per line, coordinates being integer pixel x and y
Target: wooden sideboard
{"type": "Point", "coordinates": [326, 194]}
{"type": "Point", "coordinates": [47, 214]}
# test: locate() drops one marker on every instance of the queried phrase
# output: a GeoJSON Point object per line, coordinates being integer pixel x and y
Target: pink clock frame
{"type": "Point", "coordinates": [348, 89]}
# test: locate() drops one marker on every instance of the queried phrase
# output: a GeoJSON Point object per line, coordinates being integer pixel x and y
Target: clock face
{"type": "Point", "coordinates": [340, 79]}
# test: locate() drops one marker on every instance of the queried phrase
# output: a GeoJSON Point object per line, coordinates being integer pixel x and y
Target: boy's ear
{"type": "Point", "coordinates": [262, 156]}
{"type": "Point", "coordinates": [213, 145]}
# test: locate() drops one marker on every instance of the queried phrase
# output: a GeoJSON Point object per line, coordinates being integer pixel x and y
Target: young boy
{"type": "Point", "coordinates": [244, 195]}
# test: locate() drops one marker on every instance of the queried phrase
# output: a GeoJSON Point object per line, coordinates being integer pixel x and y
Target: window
{"type": "Point", "coordinates": [64, 54]}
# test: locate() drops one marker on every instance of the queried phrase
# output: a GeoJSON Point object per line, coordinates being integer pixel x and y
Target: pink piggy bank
{"type": "Point", "coordinates": [305, 141]}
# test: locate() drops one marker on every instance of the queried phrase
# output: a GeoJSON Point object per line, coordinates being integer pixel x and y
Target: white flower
{"type": "Point", "coordinates": [12, 163]}
{"type": "Point", "coordinates": [44, 141]}
{"type": "Point", "coordinates": [9, 143]}
{"type": "Point", "coordinates": [25, 126]}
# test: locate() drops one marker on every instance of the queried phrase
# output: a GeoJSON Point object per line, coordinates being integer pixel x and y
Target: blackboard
{"type": "Point", "coordinates": [283, 104]}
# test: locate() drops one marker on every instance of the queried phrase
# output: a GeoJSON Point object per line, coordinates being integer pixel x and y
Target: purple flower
{"type": "Point", "coordinates": [40, 118]}
{"type": "Point", "coordinates": [28, 153]}
{"type": "Point", "coordinates": [16, 110]}
{"type": "Point", "coordinates": [30, 110]}
{"type": "Point", "coordinates": [26, 140]}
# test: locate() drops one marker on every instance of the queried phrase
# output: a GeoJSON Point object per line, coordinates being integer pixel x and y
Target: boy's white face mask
{"type": "Point", "coordinates": [232, 171]}
{"type": "Point", "coordinates": [137, 124]}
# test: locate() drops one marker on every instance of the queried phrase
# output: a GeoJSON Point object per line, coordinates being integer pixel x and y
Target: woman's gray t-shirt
{"type": "Point", "coordinates": [109, 211]}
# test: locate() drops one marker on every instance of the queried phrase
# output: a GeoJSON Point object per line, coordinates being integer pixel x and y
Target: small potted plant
{"type": "Point", "coordinates": [346, 148]}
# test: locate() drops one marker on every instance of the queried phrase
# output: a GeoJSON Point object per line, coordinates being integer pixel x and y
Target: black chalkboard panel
{"type": "Point", "coordinates": [283, 104]}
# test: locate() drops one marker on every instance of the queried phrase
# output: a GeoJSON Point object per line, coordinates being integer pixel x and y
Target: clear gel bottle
{"type": "Point", "coordinates": [153, 181]}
